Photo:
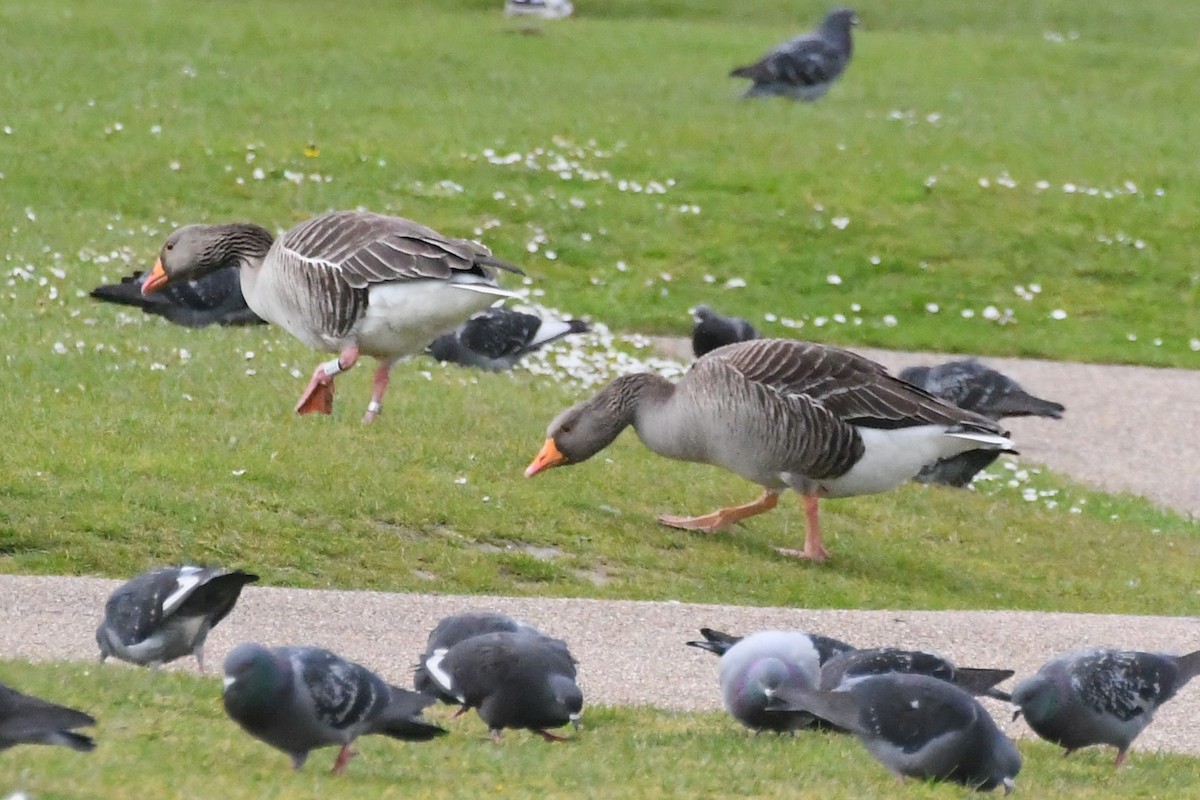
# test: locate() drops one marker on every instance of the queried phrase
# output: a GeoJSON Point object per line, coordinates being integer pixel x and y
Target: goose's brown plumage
{"type": "Point", "coordinates": [348, 282]}
{"type": "Point", "coordinates": [820, 420]}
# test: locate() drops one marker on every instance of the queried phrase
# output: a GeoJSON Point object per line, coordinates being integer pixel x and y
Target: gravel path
{"type": "Point", "coordinates": [1126, 429]}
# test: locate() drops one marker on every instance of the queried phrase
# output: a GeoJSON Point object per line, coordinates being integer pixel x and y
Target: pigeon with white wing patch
{"type": "Point", "coordinates": [496, 339]}
{"type": "Point", "coordinates": [454, 629]}
{"type": "Point", "coordinates": [514, 679]}
{"type": "Point", "coordinates": [167, 613]}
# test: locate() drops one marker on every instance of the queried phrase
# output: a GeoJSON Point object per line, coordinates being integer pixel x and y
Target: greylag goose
{"type": "Point", "coordinates": [25, 719]}
{"type": "Point", "coordinates": [214, 299]}
{"type": "Point", "coordinates": [979, 388]}
{"type": "Point", "coordinates": [804, 67]}
{"type": "Point", "coordinates": [781, 413]}
{"type": "Point", "coordinates": [497, 338]}
{"type": "Point", "coordinates": [1101, 696]}
{"type": "Point", "coordinates": [712, 330]}
{"type": "Point", "coordinates": [347, 282]}
{"type": "Point", "coordinates": [297, 699]}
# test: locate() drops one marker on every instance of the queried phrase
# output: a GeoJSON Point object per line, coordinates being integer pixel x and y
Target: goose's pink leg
{"type": "Point", "coordinates": [318, 397]}
{"type": "Point", "coordinates": [383, 373]}
{"type": "Point", "coordinates": [723, 517]}
{"type": "Point", "coordinates": [813, 549]}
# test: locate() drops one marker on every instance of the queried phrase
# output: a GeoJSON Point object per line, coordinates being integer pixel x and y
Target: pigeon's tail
{"type": "Point", "coordinates": [959, 470]}
{"type": "Point", "coordinates": [402, 718]}
{"type": "Point", "coordinates": [1189, 666]}
{"type": "Point", "coordinates": [1021, 404]}
{"type": "Point", "coordinates": [126, 293]}
{"type": "Point", "coordinates": [75, 741]}
{"type": "Point", "coordinates": [552, 329]}
{"type": "Point", "coordinates": [715, 641]}
{"type": "Point", "coordinates": [838, 708]}
{"type": "Point", "coordinates": [747, 71]}
{"type": "Point", "coordinates": [983, 681]}
{"type": "Point", "coordinates": [217, 596]}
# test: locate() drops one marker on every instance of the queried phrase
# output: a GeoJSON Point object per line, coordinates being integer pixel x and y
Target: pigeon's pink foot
{"type": "Point", "coordinates": [343, 758]}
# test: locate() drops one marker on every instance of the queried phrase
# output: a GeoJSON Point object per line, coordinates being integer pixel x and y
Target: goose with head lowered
{"type": "Point", "coordinates": [347, 282]}
{"type": "Point", "coordinates": [781, 413]}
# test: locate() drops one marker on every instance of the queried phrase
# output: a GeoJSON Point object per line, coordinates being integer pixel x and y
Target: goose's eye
{"type": "Point", "coordinates": [565, 428]}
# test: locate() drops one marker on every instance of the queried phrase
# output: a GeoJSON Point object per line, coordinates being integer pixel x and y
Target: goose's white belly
{"type": "Point", "coordinates": [893, 456]}
{"type": "Point", "coordinates": [403, 318]}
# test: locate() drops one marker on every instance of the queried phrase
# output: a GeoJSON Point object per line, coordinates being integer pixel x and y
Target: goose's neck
{"type": "Point", "coordinates": [647, 402]}
{"type": "Point", "coordinates": [238, 244]}
{"type": "Point", "coordinates": [630, 399]}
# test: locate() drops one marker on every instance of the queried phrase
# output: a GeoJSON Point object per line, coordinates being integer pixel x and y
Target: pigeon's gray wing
{"type": "Point", "coordinates": [806, 60]}
{"type": "Point", "coordinates": [1123, 683]}
{"type": "Point", "coordinates": [138, 608]}
{"type": "Point", "coordinates": [499, 332]}
{"type": "Point", "coordinates": [343, 694]}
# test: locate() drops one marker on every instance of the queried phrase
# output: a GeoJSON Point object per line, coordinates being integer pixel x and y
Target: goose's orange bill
{"type": "Point", "coordinates": [156, 280]}
{"type": "Point", "coordinates": [547, 457]}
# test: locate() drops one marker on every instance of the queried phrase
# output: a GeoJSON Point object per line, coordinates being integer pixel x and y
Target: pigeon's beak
{"type": "Point", "coordinates": [1009, 784]}
{"type": "Point", "coordinates": [1016, 714]}
{"type": "Point", "coordinates": [156, 280]}
{"type": "Point", "coordinates": [546, 458]}
{"type": "Point", "coordinates": [576, 721]}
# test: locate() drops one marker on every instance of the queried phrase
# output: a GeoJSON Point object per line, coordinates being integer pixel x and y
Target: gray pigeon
{"type": "Point", "coordinates": [454, 629]}
{"type": "Point", "coordinates": [25, 719]}
{"type": "Point", "coordinates": [712, 330]}
{"type": "Point", "coordinates": [917, 726]}
{"type": "Point", "coordinates": [971, 385]}
{"type": "Point", "coordinates": [853, 664]}
{"type": "Point", "coordinates": [1101, 696]}
{"type": "Point", "coordinates": [514, 679]}
{"type": "Point", "coordinates": [497, 338]}
{"type": "Point", "coordinates": [297, 699]}
{"type": "Point", "coordinates": [166, 614]}
{"type": "Point", "coordinates": [756, 667]}
{"type": "Point", "coordinates": [804, 67]}
{"type": "Point", "coordinates": [215, 299]}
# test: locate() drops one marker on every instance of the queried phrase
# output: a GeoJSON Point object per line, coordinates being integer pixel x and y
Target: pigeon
{"type": "Point", "coordinates": [852, 664]}
{"type": "Point", "coordinates": [497, 338]}
{"type": "Point", "coordinates": [916, 726]}
{"type": "Point", "coordinates": [166, 614]}
{"type": "Point", "coordinates": [25, 719]}
{"type": "Point", "coordinates": [542, 9]}
{"type": "Point", "coordinates": [297, 699]}
{"type": "Point", "coordinates": [712, 330]}
{"type": "Point", "coordinates": [515, 679]}
{"type": "Point", "coordinates": [979, 388]}
{"type": "Point", "coordinates": [804, 67]}
{"type": "Point", "coordinates": [1101, 696]}
{"type": "Point", "coordinates": [454, 629]}
{"type": "Point", "coordinates": [756, 667]}
{"type": "Point", "coordinates": [971, 385]}
{"type": "Point", "coordinates": [215, 298]}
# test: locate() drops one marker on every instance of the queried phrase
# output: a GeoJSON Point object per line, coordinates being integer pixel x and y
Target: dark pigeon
{"type": "Point", "coordinates": [496, 339]}
{"type": "Point", "coordinates": [712, 330]}
{"type": "Point", "coordinates": [297, 699]}
{"type": "Point", "coordinates": [975, 387]}
{"type": "Point", "coordinates": [25, 719]}
{"type": "Point", "coordinates": [917, 726]}
{"type": "Point", "coordinates": [514, 679]}
{"type": "Point", "coordinates": [753, 669]}
{"type": "Point", "coordinates": [454, 629]}
{"type": "Point", "coordinates": [979, 388]}
{"type": "Point", "coordinates": [1101, 696]}
{"type": "Point", "coordinates": [166, 614]}
{"type": "Point", "coordinates": [215, 299]}
{"type": "Point", "coordinates": [804, 67]}
{"type": "Point", "coordinates": [854, 664]}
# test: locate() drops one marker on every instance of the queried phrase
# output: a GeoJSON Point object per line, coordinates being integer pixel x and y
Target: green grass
{"type": "Point", "coordinates": [130, 443]}
{"type": "Point", "coordinates": [175, 720]}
